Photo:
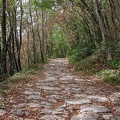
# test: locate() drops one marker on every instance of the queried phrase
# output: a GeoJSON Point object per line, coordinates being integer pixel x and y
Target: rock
{"type": "Point", "coordinates": [48, 88]}
{"type": "Point", "coordinates": [110, 116]}
{"type": "Point", "coordinates": [34, 105]}
{"type": "Point", "coordinates": [77, 96]}
{"type": "Point", "coordinates": [1, 98]}
{"type": "Point", "coordinates": [46, 111]}
{"type": "Point", "coordinates": [2, 112]}
{"type": "Point", "coordinates": [51, 117]}
{"type": "Point", "coordinates": [91, 91]}
{"type": "Point", "coordinates": [13, 117]}
{"type": "Point", "coordinates": [117, 109]}
{"type": "Point", "coordinates": [35, 97]}
{"type": "Point", "coordinates": [98, 98]}
{"type": "Point", "coordinates": [94, 108]}
{"type": "Point", "coordinates": [20, 112]}
{"type": "Point", "coordinates": [78, 102]}
{"type": "Point", "coordinates": [86, 116]}
{"type": "Point", "coordinates": [29, 85]}
{"type": "Point", "coordinates": [32, 93]}
{"type": "Point", "coordinates": [64, 78]}
{"type": "Point", "coordinates": [115, 97]}
{"type": "Point", "coordinates": [52, 100]}
{"type": "Point", "coordinates": [20, 105]}
{"type": "Point", "coordinates": [47, 80]}
{"type": "Point", "coordinates": [45, 103]}
{"type": "Point", "coordinates": [79, 80]}
{"type": "Point", "coordinates": [60, 110]}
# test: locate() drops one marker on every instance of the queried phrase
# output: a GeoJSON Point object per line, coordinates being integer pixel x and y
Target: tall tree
{"type": "Point", "coordinates": [4, 43]}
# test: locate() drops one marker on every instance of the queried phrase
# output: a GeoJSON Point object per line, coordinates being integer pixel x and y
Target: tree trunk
{"type": "Point", "coordinates": [101, 24]}
{"type": "Point", "coordinates": [4, 44]}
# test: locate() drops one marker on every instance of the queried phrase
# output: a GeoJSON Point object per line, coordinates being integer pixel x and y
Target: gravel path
{"type": "Point", "coordinates": [63, 95]}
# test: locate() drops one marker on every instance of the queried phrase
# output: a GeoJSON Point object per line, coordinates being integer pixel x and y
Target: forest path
{"type": "Point", "coordinates": [62, 95]}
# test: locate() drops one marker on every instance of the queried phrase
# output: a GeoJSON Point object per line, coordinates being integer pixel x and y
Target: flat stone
{"type": "Point", "coordinates": [98, 98]}
{"type": "Point", "coordinates": [117, 109]}
{"type": "Point", "coordinates": [35, 97]}
{"type": "Point", "coordinates": [80, 96]}
{"type": "Point", "coordinates": [32, 93]}
{"type": "Point", "coordinates": [52, 100]}
{"type": "Point", "coordinates": [13, 117]}
{"type": "Point", "coordinates": [94, 108]}
{"type": "Point", "coordinates": [115, 97]}
{"type": "Point", "coordinates": [2, 112]}
{"type": "Point", "coordinates": [60, 110]}
{"type": "Point", "coordinates": [51, 117]}
{"type": "Point", "coordinates": [90, 92]}
{"type": "Point", "coordinates": [81, 101]}
{"type": "Point", "coordinates": [110, 116]}
{"type": "Point", "coordinates": [49, 88]}
{"type": "Point", "coordinates": [47, 79]}
{"type": "Point", "coordinates": [45, 103]}
{"type": "Point", "coordinates": [34, 105]}
{"type": "Point", "coordinates": [44, 84]}
{"type": "Point", "coordinates": [79, 80]}
{"type": "Point", "coordinates": [20, 105]}
{"type": "Point", "coordinates": [20, 112]}
{"type": "Point", "coordinates": [46, 111]}
{"type": "Point", "coordinates": [29, 85]}
{"type": "Point", "coordinates": [29, 89]}
{"type": "Point", "coordinates": [86, 116]}
{"type": "Point", "coordinates": [53, 96]}
{"type": "Point", "coordinates": [1, 98]}
{"type": "Point", "coordinates": [64, 78]}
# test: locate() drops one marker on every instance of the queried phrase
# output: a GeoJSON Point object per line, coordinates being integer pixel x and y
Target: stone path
{"type": "Point", "coordinates": [63, 95]}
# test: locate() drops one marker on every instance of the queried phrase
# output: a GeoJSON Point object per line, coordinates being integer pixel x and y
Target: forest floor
{"type": "Point", "coordinates": [59, 93]}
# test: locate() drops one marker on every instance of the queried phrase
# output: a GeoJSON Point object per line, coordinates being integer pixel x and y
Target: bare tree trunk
{"type": "Point", "coordinates": [101, 24]}
{"type": "Point", "coordinates": [33, 35]}
{"type": "Point", "coordinates": [28, 54]}
{"type": "Point", "coordinates": [4, 49]}
{"type": "Point", "coordinates": [20, 43]}
{"type": "Point", "coordinates": [43, 37]}
{"type": "Point", "coordinates": [40, 40]}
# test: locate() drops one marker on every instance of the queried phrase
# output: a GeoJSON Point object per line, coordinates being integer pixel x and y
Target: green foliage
{"type": "Point", "coordinates": [79, 51]}
{"type": "Point", "coordinates": [58, 40]}
{"type": "Point", "coordinates": [107, 72]}
{"type": "Point", "coordinates": [32, 69]}
{"type": "Point", "coordinates": [44, 4]}
{"type": "Point", "coordinates": [115, 63]}
{"type": "Point", "coordinates": [114, 79]}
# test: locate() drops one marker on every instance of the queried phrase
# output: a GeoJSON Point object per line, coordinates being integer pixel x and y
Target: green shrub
{"type": "Point", "coordinates": [115, 79]}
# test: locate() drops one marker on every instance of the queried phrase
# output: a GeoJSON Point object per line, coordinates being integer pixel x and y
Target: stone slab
{"type": "Point", "coordinates": [51, 117]}
{"type": "Point", "coordinates": [78, 102]}
{"type": "Point", "coordinates": [94, 108]}
{"type": "Point", "coordinates": [85, 116]}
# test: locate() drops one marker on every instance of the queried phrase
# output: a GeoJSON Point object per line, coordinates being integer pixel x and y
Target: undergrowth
{"type": "Point", "coordinates": [21, 77]}
{"type": "Point", "coordinates": [98, 65]}
{"type": "Point", "coordinates": [114, 79]}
